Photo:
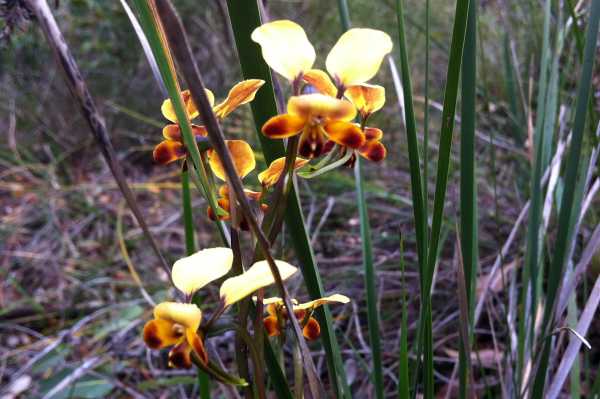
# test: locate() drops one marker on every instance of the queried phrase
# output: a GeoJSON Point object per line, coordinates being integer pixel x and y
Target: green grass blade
{"type": "Point", "coordinates": [367, 254]}
{"type": "Point", "coordinates": [245, 17]}
{"type": "Point", "coordinates": [403, 378]}
{"type": "Point", "coordinates": [468, 191]}
{"type": "Point", "coordinates": [443, 166]}
{"type": "Point", "coordinates": [567, 201]}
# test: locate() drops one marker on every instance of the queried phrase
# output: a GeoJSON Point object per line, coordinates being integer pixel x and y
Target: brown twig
{"type": "Point", "coordinates": [81, 94]}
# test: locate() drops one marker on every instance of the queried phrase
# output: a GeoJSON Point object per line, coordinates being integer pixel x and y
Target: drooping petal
{"type": "Point", "coordinates": [366, 98]}
{"type": "Point", "coordinates": [271, 175]}
{"type": "Point", "coordinates": [357, 55]}
{"type": "Point", "coordinates": [373, 133]}
{"type": "Point", "coordinates": [160, 333]}
{"type": "Point", "coordinates": [373, 151]}
{"type": "Point", "coordinates": [321, 106]}
{"type": "Point", "coordinates": [271, 324]}
{"type": "Point", "coordinates": [197, 345]}
{"type": "Point", "coordinates": [173, 132]}
{"type": "Point", "coordinates": [179, 356]}
{"type": "Point", "coordinates": [285, 48]}
{"type": "Point", "coordinates": [335, 298]}
{"type": "Point", "coordinates": [169, 112]}
{"type": "Point", "coordinates": [256, 277]}
{"type": "Point", "coordinates": [320, 81]}
{"type": "Point", "coordinates": [282, 126]}
{"type": "Point", "coordinates": [242, 156]}
{"type": "Point", "coordinates": [186, 314]}
{"type": "Point", "coordinates": [168, 151]}
{"type": "Point", "coordinates": [345, 133]}
{"type": "Point", "coordinates": [312, 142]}
{"type": "Point", "coordinates": [312, 329]}
{"type": "Point", "coordinates": [241, 93]}
{"type": "Point", "coordinates": [195, 271]}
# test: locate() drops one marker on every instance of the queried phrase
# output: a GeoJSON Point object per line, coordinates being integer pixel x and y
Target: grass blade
{"type": "Point", "coordinates": [468, 192]}
{"type": "Point", "coordinates": [572, 170]}
{"type": "Point", "coordinates": [367, 254]}
{"type": "Point", "coordinates": [245, 17]}
{"type": "Point", "coordinates": [403, 378]}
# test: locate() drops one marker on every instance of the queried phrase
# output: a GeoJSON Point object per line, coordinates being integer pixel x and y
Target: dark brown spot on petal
{"type": "Point", "coordinates": [168, 151]}
{"type": "Point", "coordinates": [151, 337]}
{"type": "Point", "coordinates": [312, 329]}
{"type": "Point", "coordinates": [179, 356]}
{"type": "Point", "coordinates": [272, 326]}
{"type": "Point", "coordinates": [374, 151]}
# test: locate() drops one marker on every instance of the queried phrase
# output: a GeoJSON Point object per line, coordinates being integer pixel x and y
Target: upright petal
{"type": "Point", "coordinates": [345, 133]}
{"type": "Point", "coordinates": [285, 48]}
{"type": "Point", "coordinates": [241, 93]}
{"type": "Point", "coordinates": [335, 298]}
{"type": "Point", "coordinates": [169, 112]}
{"type": "Point", "coordinates": [186, 314]}
{"type": "Point", "coordinates": [320, 81]}
{"type": "Point", "coordinates": [271, 175]}
{"type": "Point", "coordinates": [366, 98]}
{"type": "Point", "coordinates": [195, 271]}
{"type": "Point", "coordinates": [160, 333]}
{"type": "Point", "coordinates": [257, 276]}
{"type": "Point", "coordinates": [357, 55]}
{"type": "Point", "coordinates": [242, 156]}
{"type": "Point", "coordinates": [282, 126]}
{"type": "Point", "coordinates": [321, 106]}
{"type": "Point", "coordinates": [168, 151]}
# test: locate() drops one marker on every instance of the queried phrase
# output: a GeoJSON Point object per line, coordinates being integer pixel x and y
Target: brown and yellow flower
{"type": "Point", "coordinates": [317, 118]}
{"type": "Point", "coordinates": [225, 204]}
{"type": "Point", "coordinates": [274, 323]}
{"type": "Point", "coordinates": [172, 147]}
{"type": "Point", "coordinates": [271, 175]}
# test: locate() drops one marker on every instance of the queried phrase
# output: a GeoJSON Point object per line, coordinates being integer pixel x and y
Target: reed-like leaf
{"type": "Point", "coordinates": [403, 375]}
{"type": "Point", "coordinates": [468, 191]}
{"type": "Point", "coordinates": [245, 17]}
{"type": "Point", "coordinates": [562, 243]}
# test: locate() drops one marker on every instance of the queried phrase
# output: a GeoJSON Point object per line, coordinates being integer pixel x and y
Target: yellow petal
{"type": "Point", "coordinates": [186, 314]}
{"type": "Point", "coordinates": [169, 112]}
{"type": "Point", "coordinates": [256, 277]}
{"type": "Point", "coordinates": [366, 98]}
{"type": "Point", "coordinates": [320, 81]}
{"type": "Point", "coordinates": [271, 175]}
{"type": "Point", "coordinates": [357, 55]}
{"type": "Point", "coordinates": [321, 106]}
{"type": "Point", "coordinates": [345, 133]}
{"type": "Point", "coordinates": [241, 93]}
{"type": "Point", "coordinates": [242, 156]}
{"type": "Point", "coordinates": [282, 126]}
{"type": "Point", "coordinates": [168, 151]}
{"type": "Point", "coordinates": [195, 271]}
{"type": "Point", "coordinates": [335, 298]}
{"type": "Point", "coordinates": [285, 48]}
{"type": "Point", "coordinates": [161, 333]}
{"type": "Point", "coordinates": [197, 345]}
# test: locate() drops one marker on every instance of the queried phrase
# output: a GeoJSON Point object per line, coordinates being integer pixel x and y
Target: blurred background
{"type": "Point", "coordinates": [68, 301]}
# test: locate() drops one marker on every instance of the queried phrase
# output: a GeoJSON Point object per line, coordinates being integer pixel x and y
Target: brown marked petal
{"type": "Point", "coordinates": [241, 93]}
{"type": "Point", "coordinates": [366, 98]}
{"type": "Point", "coordinates": [373, 151]}
{"type": "Point", "coordinates": [311, 142]}
{"type": "Point", "coordinates": [321, 106]}
{"type": "Point", "coordinates": [179, 356]}
{"type": "Point", "coordinates": [320, 81]}
{"type": "Point", "coordinates": [161, 333]}
{"type": "Point", "coordinates": [312, 329]}
{"type": "Point", "coordinates": [271, 175]}
{"type": "Point", "coordinates": [169, 112]}
{"type": "Point", "coordinates": [300, 314]}
{"type": "Point", "coordinates": [197, 345]}
{"type": "Point", "coordinates": [168, 151]}
{"type": "Point", "coordinates": [373, 133]}
{"type": "Point", "coordinates": [272, 326]}
{"type": "Point", "coordinates": [345, 133]}
{"type": "Point", "coordinates": [282, 126]}
{"type": "Point", "coordinates": [172, 132]}
{"type": "Point", "coordinates": [242, 156]}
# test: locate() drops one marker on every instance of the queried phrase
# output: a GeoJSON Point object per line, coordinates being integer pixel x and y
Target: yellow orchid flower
{"type": "Point", "coordinates": [176, 324]}
{"type": "Point", "coordinates": [275, 321]}
{"type": "Point", "coordinates": [354, 59]}
{"type": "Point", "coordinates": [271, 175]}
{"type": "Point", "coordinates": [366, 98]}
{"type": "Point", "coordinates": [317, 118]}
{"type": "Point", "coordinates": [172, 147]}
